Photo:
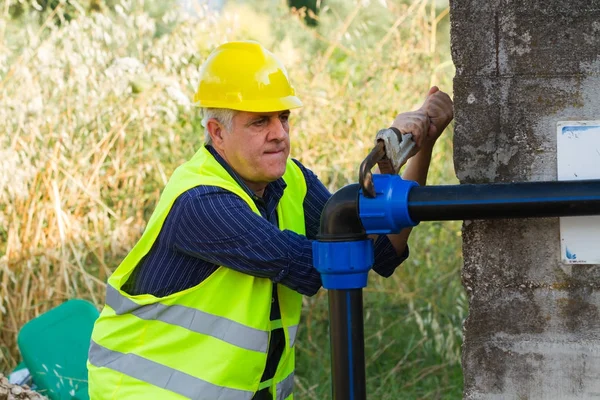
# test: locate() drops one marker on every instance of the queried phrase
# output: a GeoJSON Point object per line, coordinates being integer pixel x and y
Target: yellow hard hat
{"type": "Point", "coordinates": [247, 77]}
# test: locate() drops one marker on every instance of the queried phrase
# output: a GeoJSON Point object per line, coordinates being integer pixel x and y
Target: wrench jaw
{"type": "Point", "coordinates": [386, 166]}
{"type": "Point", "coordinates": [392, 150]}
{"type": "Point", "coordinates": [398, 148]}
{"type": "Point", "coordinates": [365, 176]}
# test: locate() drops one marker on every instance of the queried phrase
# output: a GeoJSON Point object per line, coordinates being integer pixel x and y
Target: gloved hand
{"type": "Point", "coordinates": [425, 124]}
{"type": "Point", "coordinates": [439, 108]}
{"type": "Point", "coordinates": [428, 122]}
{"type": "Point", "coordinates": [414, 122]}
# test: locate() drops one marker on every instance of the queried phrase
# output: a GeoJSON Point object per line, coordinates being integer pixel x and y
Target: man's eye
{"type": "Point", "coordinates": [284, 118]}
{"type": "Point", "coordinates": [259, 122]}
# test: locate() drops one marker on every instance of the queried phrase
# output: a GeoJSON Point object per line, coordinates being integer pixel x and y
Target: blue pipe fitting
{"type": "Point", "coordinates": [343, 265]}
{"type": "Point", "coordinates": [388, 211]}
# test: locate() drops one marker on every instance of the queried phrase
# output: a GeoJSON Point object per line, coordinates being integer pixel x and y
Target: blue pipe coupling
{"type": "Point", "coordinates": [343, 265]}
{"type": "Point", "coordinates": [388, 211]}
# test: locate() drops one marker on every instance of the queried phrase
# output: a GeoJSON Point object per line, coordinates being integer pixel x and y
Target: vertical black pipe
{"type": "Point", "coordinates": [340, 222]}
{"type": "Point", "coordinates": [347, 344]}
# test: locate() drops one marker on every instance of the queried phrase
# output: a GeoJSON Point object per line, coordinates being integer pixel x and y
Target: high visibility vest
{"type": "Point", "coordinates": [206, 342]}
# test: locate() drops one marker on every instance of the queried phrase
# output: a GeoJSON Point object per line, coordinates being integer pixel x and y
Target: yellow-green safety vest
{"type": "Point", "coordinates": [206, 342]}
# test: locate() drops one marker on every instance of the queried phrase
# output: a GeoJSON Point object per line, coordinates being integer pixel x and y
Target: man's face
{"type": "Point", "coordinates": [258, 146]}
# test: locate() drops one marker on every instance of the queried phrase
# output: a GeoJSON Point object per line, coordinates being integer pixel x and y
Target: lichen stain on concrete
{"type": "Point", "coordinates": [592, 66]}
{"type": "Point", "coordinates": [501, 317]}
{"type": "Point", "coordinates": [593, 37]}
{"type": "Point", "coordinates": [488, 358]}
{"type": "Point", "coordinates": [579, 314]}
{"type": "Point", "coordinates": [577, 309]}
{"type": "Point", "coordinates": [518, 43]}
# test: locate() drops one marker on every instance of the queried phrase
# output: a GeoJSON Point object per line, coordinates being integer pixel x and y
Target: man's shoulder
{"type": "Point", "coordinates": [204, 203]}
{"type": "Point", "coordinates": [200, 191]}
{"type": "Point", "coordinates": [309, 176]}
{"type": "Point", "coordinates": [201, 194]}
{"type": "Point", "coordinates": [299, 164]}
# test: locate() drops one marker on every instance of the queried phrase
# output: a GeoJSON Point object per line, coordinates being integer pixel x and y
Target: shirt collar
{"type": "Point", "coordinates": [273, 190]}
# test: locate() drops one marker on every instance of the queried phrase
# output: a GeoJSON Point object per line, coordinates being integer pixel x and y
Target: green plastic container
{"type": "Point", "coordinates": [54, 347]}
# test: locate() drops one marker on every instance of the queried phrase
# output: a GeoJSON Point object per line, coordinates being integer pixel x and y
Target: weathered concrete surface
{"type": "Point", "coordinates": [533, 330]}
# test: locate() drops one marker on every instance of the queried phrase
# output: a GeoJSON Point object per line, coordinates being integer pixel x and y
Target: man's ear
{"type": "Point", "coordinates": [216, 131]}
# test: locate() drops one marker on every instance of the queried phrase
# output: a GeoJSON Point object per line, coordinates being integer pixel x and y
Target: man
{"type": "Point", "coordinates": [207, 304]}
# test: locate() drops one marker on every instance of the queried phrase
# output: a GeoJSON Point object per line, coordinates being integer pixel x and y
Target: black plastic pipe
{"type": "Point", "coordinates": [340, 221]}
{"type": "Point", "coordinates": [504, 200]}
{"type": "Point", "coordinates": [347, 344]}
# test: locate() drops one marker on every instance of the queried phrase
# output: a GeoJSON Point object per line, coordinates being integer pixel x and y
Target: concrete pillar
{"type": "Point", "coordinates": [533, 330]}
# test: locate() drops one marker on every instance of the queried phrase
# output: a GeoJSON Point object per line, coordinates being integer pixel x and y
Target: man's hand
{"type": "Point", "coordinates": [415, 122]}
{"type": "Point", "coordinates": [428, 122]}
{"type": "Point", "coordinates": [439, 108]}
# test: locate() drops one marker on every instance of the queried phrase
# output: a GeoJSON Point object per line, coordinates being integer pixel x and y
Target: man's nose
{"type": "Point", "coordinates": [278, 130]}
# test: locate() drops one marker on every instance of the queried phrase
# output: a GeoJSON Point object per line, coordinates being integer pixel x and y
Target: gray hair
{"type": "Point", "coordinates": [223, 115]}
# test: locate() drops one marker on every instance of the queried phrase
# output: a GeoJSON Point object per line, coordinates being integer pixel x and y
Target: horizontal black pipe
{"type": "Point", "coordinates": [504, 200]}
{"type": "Point", "coordinates": [346, 335]}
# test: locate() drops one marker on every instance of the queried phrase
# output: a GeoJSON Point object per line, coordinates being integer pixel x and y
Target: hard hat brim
{"type": "Point", "coordinates": [281, 104]}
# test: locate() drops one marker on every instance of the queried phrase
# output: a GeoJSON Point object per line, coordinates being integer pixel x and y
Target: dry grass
{"type": "Point", "coordinates": [95, 116]}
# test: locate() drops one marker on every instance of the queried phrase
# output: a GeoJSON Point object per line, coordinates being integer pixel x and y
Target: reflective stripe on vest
{"type": "Point", "coordinates": [292, 330]}
{"type": "Point", "coordinates": [285, 387]}
{"type": "Point", "coordinates": [195, 320]}
{"type": "Point", "coordinates": [162, 376]}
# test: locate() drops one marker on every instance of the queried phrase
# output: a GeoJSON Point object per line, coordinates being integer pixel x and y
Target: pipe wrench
{"type": "Point", "coordinates": [392, 150]}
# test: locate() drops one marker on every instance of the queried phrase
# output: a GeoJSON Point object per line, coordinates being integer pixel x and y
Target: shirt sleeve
{"type": "Point", "coordinates": [219, 227]}
{"type": "Point", "coordinates": [386, 259]}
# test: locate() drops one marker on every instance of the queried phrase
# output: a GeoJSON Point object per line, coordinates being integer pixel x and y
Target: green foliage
{"type": "Point", "coordinates": [309, 8]}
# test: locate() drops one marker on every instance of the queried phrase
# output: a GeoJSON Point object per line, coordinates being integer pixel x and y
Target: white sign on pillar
{"type": "Point", "coordinates": [578, 158]}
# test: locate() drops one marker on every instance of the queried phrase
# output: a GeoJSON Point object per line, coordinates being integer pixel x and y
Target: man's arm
{"type": "Point", "coordinates": [426, 124]}
{"type": "Point", "coordinates": [219, 227]}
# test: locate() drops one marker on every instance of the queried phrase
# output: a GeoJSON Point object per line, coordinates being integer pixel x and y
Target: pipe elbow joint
{"type": "Point", "coordinates": [343, 254]}
{"type": "Point", "coordinates": [340, 219]}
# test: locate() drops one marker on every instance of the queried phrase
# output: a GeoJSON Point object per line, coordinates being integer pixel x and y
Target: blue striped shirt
{"type": "Point", "coordinates": [209, 226]}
